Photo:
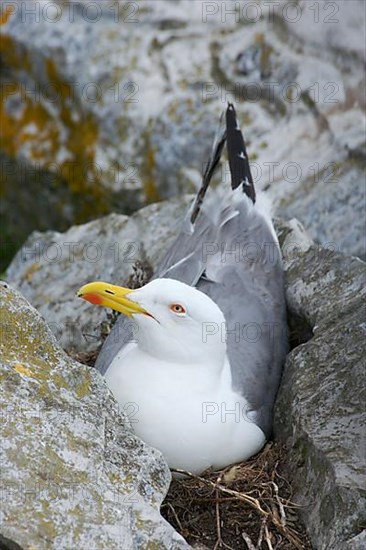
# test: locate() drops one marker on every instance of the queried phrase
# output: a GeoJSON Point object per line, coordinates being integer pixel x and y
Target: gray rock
{"type": "Point", "coordinates": [320, 410]}
{"type": "Point", "coordinates": [109, 106]}
{"type": "Point", "coordinates": [356, 543]}
{"type": "Point", "coordinates": [73, 475]}
{"type": "Point", "coordinates": [51, 266]}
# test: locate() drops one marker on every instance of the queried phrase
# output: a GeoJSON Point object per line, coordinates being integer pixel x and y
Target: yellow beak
{"type": "Point", "coordinates": [104, 294]}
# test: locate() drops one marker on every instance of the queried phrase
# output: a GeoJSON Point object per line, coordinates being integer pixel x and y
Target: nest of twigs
{"type": "Point", "coordinates": [246, 506]}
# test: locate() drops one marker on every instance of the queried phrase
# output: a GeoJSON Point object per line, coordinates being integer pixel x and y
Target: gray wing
{"type": "Point", "coordinates": [245, 279]}
{"type": "Point", "coordinates": [242, 272]}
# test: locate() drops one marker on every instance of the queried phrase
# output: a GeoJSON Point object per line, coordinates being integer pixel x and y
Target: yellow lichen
{"type": "Point", "coordinates": [21, 369]}
{"type": "Point", "coordinates": [83, 388]}
{"type": "Point", "coordinates": [32, 269]}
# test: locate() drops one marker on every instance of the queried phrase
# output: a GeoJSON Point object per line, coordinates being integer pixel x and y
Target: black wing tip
{"type": "Point", "coordinates": [238, 158]}
{"type": "Point", "coordinates": [211, 167]}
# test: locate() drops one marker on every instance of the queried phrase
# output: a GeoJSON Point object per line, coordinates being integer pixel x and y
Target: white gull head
{"type": "Point", "coordinates": [182, 324]}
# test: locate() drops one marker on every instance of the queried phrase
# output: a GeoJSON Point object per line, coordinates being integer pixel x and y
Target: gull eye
{"type": "Point", "coordinates": [177, 308]}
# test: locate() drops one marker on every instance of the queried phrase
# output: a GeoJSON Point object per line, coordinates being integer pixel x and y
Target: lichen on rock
{"type": "Point", "coordinates": [70, 462]}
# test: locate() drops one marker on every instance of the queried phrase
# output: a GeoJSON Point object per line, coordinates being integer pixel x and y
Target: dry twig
{"type": "Point", "coordinates": [255, 504]}
{"type": "Point", "coordinates": [248, 541]}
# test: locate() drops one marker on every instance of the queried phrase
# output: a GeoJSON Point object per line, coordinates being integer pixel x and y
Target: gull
{"type": "Point", "coordinates": [197, 356]}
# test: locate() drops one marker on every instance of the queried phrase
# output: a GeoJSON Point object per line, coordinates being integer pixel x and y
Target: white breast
{"type": "Point", "coordinates": [187, 412]}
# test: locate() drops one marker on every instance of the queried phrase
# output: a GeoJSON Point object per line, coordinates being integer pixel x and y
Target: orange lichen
{"type": "Point", "coordinates": [15, 128]}
{"type": "Point", "coordinates": [13, 55]}
{"type": "Point", "coordinates": [39, 129]}
{"type": "Point", "coordinates": [81, 137]}
{"type": "Point", "coordinates": [151, 191]}
{"type": "Point", "coordinates": [6, 13]}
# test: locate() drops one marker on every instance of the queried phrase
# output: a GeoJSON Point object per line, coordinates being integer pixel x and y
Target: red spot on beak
{"type": "Point", "coordinates": [92, 298]}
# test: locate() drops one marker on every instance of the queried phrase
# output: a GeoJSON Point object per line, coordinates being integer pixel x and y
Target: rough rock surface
{"type": "Point", "coordinates": [109, 105]}
{"type": "Point", "coordinates": [72, 473]}
{"type": "Point", "coordinates": [320, 410]}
